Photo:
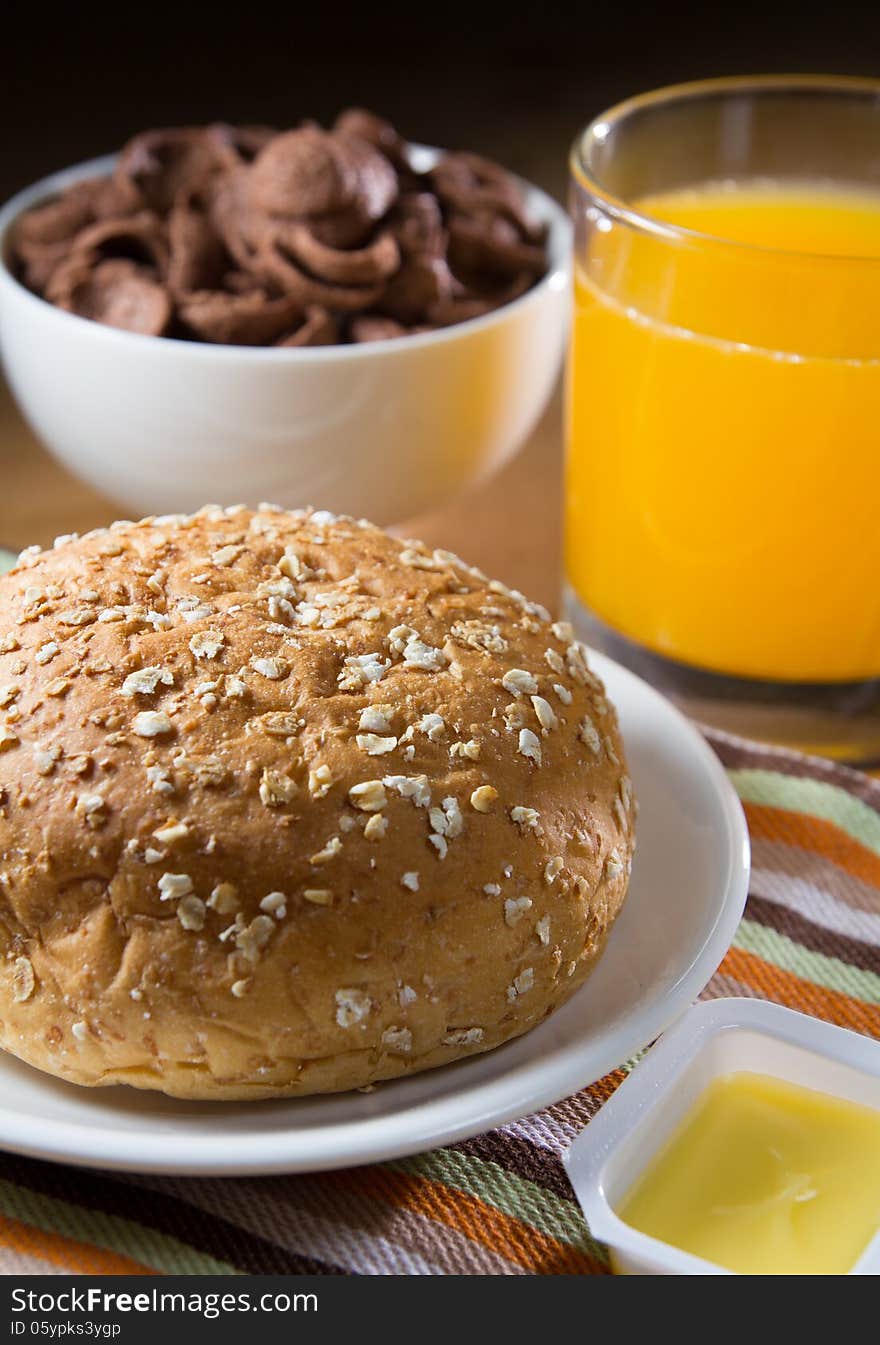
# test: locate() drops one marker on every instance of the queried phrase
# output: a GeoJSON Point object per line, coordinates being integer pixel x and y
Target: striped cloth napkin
{"type": "Point", "coordinates": [501, 1203]}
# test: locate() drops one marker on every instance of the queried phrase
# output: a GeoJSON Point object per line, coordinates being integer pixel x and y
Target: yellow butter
{"type": "Point", "coordinates": [765, 1177]}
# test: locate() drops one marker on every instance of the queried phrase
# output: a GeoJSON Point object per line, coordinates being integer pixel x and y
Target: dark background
{"type": "Point", "coordinates": [516, 81]}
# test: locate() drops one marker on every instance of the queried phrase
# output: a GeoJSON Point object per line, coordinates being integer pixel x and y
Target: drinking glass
{"type": "Point", "coordinates": [723, 463]}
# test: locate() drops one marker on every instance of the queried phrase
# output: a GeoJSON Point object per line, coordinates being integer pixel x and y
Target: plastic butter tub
{"type": "Point", "coordinates": [644, 1124]}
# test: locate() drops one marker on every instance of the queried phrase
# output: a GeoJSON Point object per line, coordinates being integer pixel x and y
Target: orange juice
{"type": "Point", "coordinates": [724, 447]}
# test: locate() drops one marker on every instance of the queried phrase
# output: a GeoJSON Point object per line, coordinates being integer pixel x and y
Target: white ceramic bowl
{"type": "Point", "coordinates": [390, 429]}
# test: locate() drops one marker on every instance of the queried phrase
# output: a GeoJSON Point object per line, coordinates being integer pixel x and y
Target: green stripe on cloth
{"type": "Point", "coordinates": [819, 968]}
{"type": "Point", "coordinates": [108, 1231]}
{"type": "Point", "coordinates": [7, 560]}
{"type": "Point", "coordinates": [515, 1196]}
{"type": "Point", "coordinates": [801, 795]}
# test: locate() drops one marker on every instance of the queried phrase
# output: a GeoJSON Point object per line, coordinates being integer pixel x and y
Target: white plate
{"type": "Point", "coordinates": [687, 893]}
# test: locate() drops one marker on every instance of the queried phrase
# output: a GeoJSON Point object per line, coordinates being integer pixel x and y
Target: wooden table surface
{"type": "Point", "coordinates": [509, 527]}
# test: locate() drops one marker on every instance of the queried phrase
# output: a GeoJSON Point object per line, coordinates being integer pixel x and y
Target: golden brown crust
{"type": "Point", "coordinates": [193, 899]}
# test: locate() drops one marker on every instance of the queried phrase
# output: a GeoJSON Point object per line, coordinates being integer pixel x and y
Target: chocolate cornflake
{"type": "Point", "coordinates": [42, 238]}
{"type": "Point", "coordinates": [37, 262]}
{"type": "Point", "coordinates": [243, 141]}
{"type": "Point", "coordinates": [244, 235]}
{"type": "Point", "coordinates": [252, 319]}
{"type": "Point", "coordinates": [279, 269]}
{"type": "Point", "coordinates": [57, 221]}
{"type": "Point", "coordinates": [377, 261]}
{"type": "Point", "coordinates": [198, 259]}
{"type": "Point", "coordinates": [318, 328]}
{"type": "Point", "coordinates": [117, 292]}
{"type": "Point", "coordinates": [141, 238]}
{"type": "Point", "coordinates": [358, 122]}
{"type": "Point", "coordinates": [371, 328]}
{"type": "Point", "coordinates": [491, 243]}
{"type": "Point", "coordinates": [161, 164]}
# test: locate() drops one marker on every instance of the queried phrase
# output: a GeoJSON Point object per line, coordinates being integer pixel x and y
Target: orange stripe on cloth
{"type": "Point", "coordinates": [80, 1258]}
{"type": "Point", "coordinates": [466, 1214]}
{"type": "Point", "coordinates": [785, 988]}
{"type": "Point", "coordinates": [814, 833]}
{"type": "Point", "coordinates": [601, 1090]}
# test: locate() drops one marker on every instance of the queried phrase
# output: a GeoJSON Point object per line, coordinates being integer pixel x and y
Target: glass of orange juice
{"type": "Point", "coordinates": [723, 465]}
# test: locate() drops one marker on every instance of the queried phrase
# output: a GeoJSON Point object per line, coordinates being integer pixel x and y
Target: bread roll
{"type": "Point", "coordinates": [290, 806]}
